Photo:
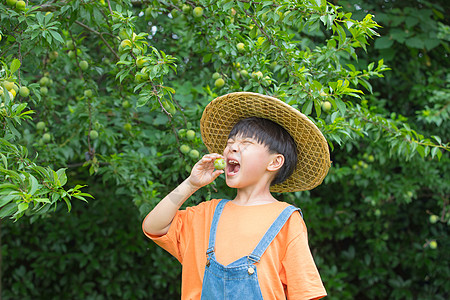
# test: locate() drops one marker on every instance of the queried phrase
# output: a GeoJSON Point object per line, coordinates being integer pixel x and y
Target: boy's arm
{"type": "Point", "coordinates": [158, 221]}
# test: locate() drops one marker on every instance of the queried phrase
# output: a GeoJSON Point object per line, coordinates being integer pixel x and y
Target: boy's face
{"type": "Point", "coordinates": [247, 162]}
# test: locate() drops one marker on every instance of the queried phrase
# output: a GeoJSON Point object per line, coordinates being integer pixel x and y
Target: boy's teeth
{"type": "Point", "coordinates": [232, 161]}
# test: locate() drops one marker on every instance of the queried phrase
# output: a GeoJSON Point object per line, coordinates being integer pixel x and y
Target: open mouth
{"type": "Point", "coordinates": [233, 167]}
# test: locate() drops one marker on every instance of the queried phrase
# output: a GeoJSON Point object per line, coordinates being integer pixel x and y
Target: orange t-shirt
{"type": "Point", "coordinates": [286, 269]}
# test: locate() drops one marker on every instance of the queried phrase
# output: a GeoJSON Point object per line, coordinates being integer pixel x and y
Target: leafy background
{"type": "Point", "coordinates": [378, 226]}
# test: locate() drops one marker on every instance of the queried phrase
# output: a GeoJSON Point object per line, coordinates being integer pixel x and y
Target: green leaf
{"type": "Point", "coordinates": [307, 107]}
{"type": "Point", "coordinates": [15, 65]}
{"type": "Point", "coordinates": [8, 210]}
{"type": "Point", "coordinates": [80, 197]}
{"type": "Point", "coordinates": [40, 17]}
{"type": "Point", "coordinates": [415, 42]}
{"type": "Point", "coordinates": [22, 207]}
{"type": "Point", "coordinates": [341, 106]}
{"type": "Point", "coordinates": [57, 36]}
{"type": "Point", "coordinates": [62, 177]}
{"type": "Point", "coordinates": [69, 205]}
{"type": "Point", "coordinates": [207, 57]}
{"type": "Point", "coordinates": [42, 200]}
{"type": "Point", "coordinates": [142, 101]}
{"type": "Point", "coordinates": [366, 84]}
{"type": "Point", "coordinates": [6, 199]}
{"type": "Point", "coordinates": [383, 43]}
{"type": "Point", "coordinates": [434, 151]}
{"type": "Point", "coordinates": [34, 185]}
{"type": "Point", "coordinates": [4, 160]}
{"type": "Point", "coordinates": [438, 139]}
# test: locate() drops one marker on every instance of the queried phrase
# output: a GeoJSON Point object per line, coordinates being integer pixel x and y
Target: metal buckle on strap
{"type": "Point", "coordinates": [255, 259]}
{"type": "Point", "coordinates": [209, 250]}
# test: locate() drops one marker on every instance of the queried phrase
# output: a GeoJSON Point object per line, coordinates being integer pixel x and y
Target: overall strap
{"type": "Point", "coordinates": [214, 223]}
{"type": "Point", "coordinates": [272, 232]}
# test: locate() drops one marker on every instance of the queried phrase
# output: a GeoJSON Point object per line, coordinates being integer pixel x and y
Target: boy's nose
{"type": "Point", "coordinates": [234, 147]}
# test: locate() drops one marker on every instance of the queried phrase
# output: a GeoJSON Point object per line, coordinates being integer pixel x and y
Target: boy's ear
{"type": "Point", "coordinates": [276, 163]}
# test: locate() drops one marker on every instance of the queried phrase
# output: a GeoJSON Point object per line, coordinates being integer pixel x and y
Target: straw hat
{"type": "Point", "coordinates": [221, 114]}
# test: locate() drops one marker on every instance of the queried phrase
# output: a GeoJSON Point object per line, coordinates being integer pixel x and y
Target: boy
{"type": "Point", "coordinates": [253, 247]}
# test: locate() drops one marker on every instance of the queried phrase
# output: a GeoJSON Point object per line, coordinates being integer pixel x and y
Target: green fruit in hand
{"type": "Point", "coordinates": [219, 83]}
{"type": "Point", "coordinates": [434, 219]}
{"type": "Point", "coordinates": [190, 134]}
{"type": "Point", "coordinates": [24, 91]}
{"type": "Point", "coordinates": [326, 106]}
{"type": "Point", "coordinates": [215, 76]}
{"type": "Point", "coordinates": [93, 134]}
{"type": "Point", "coordinates": [219, 164]}
{"type": "Point", "coordinates": [20, 5]}
{"type": "Point", "coordinates": [46, 137]}
{"type": "Point", "coordinates": [40, 126]}
{"type": "Point", "coordinates": [84, 65]}
{"type": "Point", "coordinates": [194, 154]}
{"type": "Point", "coordinates": [185, 149]}
{"type": "Point", "coordinates": [11, 2]}
{"type": "Point", "coordinates": [197, 12]}
{"type": "Point", "coordinates": [88, 93]}
{"type": "Point", "coordinates": [240, 47]}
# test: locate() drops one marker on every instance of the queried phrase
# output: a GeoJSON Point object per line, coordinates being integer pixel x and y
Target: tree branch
{"type": "Point", "coordinates": [100, 34]}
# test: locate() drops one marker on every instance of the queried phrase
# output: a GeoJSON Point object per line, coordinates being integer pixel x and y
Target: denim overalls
{"type": "Point", "coordinates": [239, 279]}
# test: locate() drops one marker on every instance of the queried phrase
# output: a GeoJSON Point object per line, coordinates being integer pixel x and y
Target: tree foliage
{"type": "Point", "coordinates": [116, 91]}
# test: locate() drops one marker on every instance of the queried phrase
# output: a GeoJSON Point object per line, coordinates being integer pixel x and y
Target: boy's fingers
{"type": "Point", "coordinates": [217, 173]}
{"type": "Point", "coordinates": [210, 157]}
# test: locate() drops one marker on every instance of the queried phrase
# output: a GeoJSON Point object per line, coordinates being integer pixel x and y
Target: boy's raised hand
{"type": "Point", "coordinates": [159, 219]}
{"type": "Point", "coordinates": [203, 172]}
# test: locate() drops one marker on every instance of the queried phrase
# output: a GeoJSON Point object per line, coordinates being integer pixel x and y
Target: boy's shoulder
{"type": "Point", "coordinates": [204, 206]}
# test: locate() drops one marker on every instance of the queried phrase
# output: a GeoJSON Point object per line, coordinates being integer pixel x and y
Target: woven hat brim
{"type": "Point", "coordinates": [221, 114]}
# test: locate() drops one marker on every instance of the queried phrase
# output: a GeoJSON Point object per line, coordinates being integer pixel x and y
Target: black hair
{"type": "Point", "coordinates": [274, 137]}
